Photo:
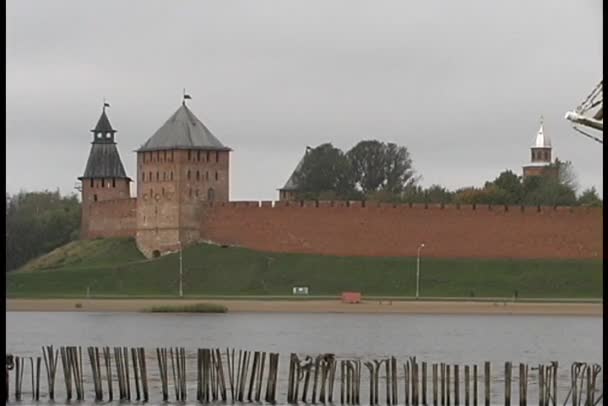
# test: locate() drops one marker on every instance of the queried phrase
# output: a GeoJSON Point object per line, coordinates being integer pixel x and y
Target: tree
{"type": "Point", "coordinates": [38, 222]}
{"type": "Point", "coordinates": [325, 169]}
{"type": "Point", "coordinates": [378, 167]}
{"type": "Point", "coordinates": [399, 171]}
{"type": "Point", "coordinates": [589, 197]}
{"type": "Point", "coordinates": [511, 186]}
{"type": "Point", "coordinates": [438, 194]}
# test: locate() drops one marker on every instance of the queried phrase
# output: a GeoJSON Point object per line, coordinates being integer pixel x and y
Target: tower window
{"type": "Point", "coordinates": [207, 156]}
{"type": "Point", "coordinates": [171, 156]}
{"type": "Point", "coordinates": [103, 183]}
{"type": "Point", "coordinates": [113, 182]}
{"type": "Point", "coordinates": [171, 175]}
{"type": "Point", "coordinates": [150, 176]}
{"type": "Point", "coordinates": [151, 192]}
{"type": "Point", "coordinates": [207, 175]}
{"type": "Point", "coordinates": [188, 175]}
{"type": "Point", "coordinates": [94, 198]}
{"type": "Point", "coordinates": [163, 191]}
{"type": "Point", "coordinates": [215, 175]}
{"type": "Point", "coordinates": [143, 176]}
{"type": "Point", "coordinates": [157, 177]}
{"type": "Point", "coordinates": [210, 194]}
{"type": "Point", "coordinates": [158, 155]}
{"type": "Point", "coordinates": [217, 156]}
{"type": "Point", "coordinates": [164, 155]}
{"type": "Point", "coordinates": [198, 175]}
{"type": "Point", "coordinates": [189, 155]}
{"type": "Point", "coordinates": [92, 183]}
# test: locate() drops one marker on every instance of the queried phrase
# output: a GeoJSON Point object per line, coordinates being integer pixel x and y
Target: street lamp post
{"type": "Point", "coordinates": [181, 291]}
{"type": "Point", "coordinates": [418, 271]}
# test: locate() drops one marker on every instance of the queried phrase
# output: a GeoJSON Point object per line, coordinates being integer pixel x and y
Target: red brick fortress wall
{"type": "Point", "coordinates": [373, 229]}
{"type": "Point", "coordinates": [112, 219]}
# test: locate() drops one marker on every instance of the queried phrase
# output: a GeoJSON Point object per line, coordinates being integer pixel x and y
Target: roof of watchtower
{"type": "Point", "coordinates": [292, 183]}
{"type": "Point", "coordinates": [104, 162]}
{"type": "Point", "coordinates": [103, 124]}
{"type": "Point", "coordinates": [183, 130]}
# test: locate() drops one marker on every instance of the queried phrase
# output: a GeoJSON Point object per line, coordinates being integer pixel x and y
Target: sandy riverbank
{"type": "Point", "coordinates": [314, 306]}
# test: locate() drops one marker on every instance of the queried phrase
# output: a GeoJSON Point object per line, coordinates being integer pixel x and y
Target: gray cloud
{"type": "Point", "coordinates": [461, 84]}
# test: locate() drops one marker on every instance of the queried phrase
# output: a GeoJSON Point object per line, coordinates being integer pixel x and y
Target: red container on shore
{"type": "Point", "coordinates": [351, 297]}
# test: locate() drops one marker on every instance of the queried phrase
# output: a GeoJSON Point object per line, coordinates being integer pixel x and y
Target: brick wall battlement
{"type": "Point", "coordinates": [358, 204]}
{"type": "Point", "coordinates": [372, 229]}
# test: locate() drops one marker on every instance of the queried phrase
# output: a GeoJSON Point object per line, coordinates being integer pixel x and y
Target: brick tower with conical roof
{"type": "Point", "coordinates": [104, 176]}
{"type": "Point", "coordinates": [181, 166]}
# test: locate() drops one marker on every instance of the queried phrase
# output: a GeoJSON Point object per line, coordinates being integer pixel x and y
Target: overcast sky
{"type": "Point", "coordinates": [461, 84]}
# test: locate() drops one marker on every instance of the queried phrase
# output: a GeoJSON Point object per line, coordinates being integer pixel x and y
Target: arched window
{"type": "Point", "coordinates": [215, 175]}
{"type": "Point", "coordinates": [210, 194]}
{"type": "Point", "coordinates": [189, 155]}
{"type": "Point", "coordinates": [217, 156]}
{"type": "Point", "coordinates": [188, 175]}
{"type": "Point", "coordinates": [94, 198]}
{"type": "Point", "coordinates": [198, 175]}
{"type": "Point", "coordinates": [113, 182]}
{"type": "Point", "coordinates": [92, 183]}
{"type": "Point", "coordinates": [103, 183]}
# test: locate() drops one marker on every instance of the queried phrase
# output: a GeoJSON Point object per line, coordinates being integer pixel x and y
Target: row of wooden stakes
{"type": "Point", "coordinates": [228, 375]}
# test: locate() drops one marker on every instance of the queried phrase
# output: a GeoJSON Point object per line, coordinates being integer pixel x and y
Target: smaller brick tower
{"type": "Point", "coordinates": [104, 176]}
{"type": "Point", "coordinates": [541, 155]}
{"type": "Point", "coordinates": [291, 188]}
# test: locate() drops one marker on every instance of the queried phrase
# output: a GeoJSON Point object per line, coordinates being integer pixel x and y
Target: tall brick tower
{"type": "Point", "coordinates": [540, 163]}
{"type": "Point", "coordinates": [104, 176]}
{"type": "Point", "coordinates": [182, 165]}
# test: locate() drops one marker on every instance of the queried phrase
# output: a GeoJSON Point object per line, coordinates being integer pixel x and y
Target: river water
{"type": "Point", "coordinates": [461, 339]}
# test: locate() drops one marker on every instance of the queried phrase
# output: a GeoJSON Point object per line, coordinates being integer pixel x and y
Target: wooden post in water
{"type": "Point", "coordinates": [67, 372]}
{"type": "Point", "coordinates": [144, 373]}
{"type": "Point", "coordinates": [407, 378]}
{"type": "Point", "coordinates": [434, 375]}
{"type": "Point", "coordinates": [424, 384]}
{"type": "Point", "coordinates": [555, 365]}
{"type": "Point", "coordinates": [447, 384]}
{"type": "Point", "coordinates": [456, 385]}
{"type": "Point", "coordinates": [38, 362]}
{"type": "Point", "coordinates": [466, 386]}
{"type": "Point", "coordinates": [508, 383]}
{"type": "Point", "coordinates": [107, 358]}
{"type": "Point", "coordinates": [50, 362]}
{"type": "Point", "coordinates": [475, 385]}
{"type": "Point", "coordinates": [541, 385]}
{"type": "Point", "coordinates": [487, 382]}
{"type": "Point", "coordinates": [523, 384]}
{"type": "Point", "coordinates": [442, 384]}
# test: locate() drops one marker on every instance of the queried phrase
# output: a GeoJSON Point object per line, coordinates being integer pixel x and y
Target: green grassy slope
{"type": "Point", "coordinates": [116, 268]}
